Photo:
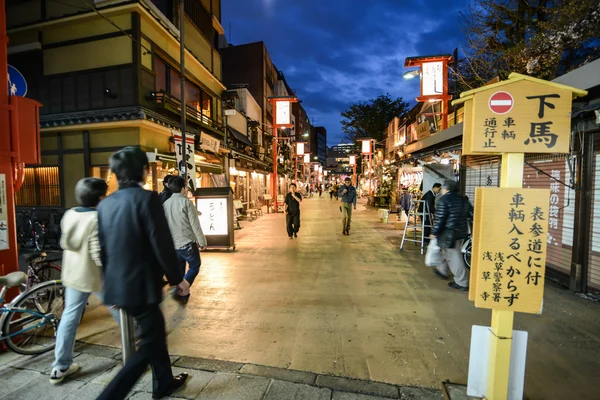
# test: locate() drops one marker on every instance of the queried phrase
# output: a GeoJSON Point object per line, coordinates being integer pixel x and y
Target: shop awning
{"type": "Point", "coordinates": [209, 168]}
{"type": "Point", "coordinates": [239, 136]}
{"type": "Point", "coordinates": [440, 137]}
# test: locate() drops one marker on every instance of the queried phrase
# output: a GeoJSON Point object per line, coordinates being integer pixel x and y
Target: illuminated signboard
{"type": "Point", "coordinates": [366, 146]}
{"type": "Point", "coordinates": [307, 158]}
{"type": "Point", "coordinates": [316, 167]}
{"type": "Point", "coordinates": [300, 149]}
{"type": "Point", "coordinates": [433, 78]}
{"type": "Point", "coordinates": [282, 112]}
{"type": "Point", "coordinates": [353, 160]}
{"type": "Point", "coordinates": [214, 216]}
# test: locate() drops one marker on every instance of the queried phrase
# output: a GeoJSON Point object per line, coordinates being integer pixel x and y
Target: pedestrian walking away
{"type": "Point", "coordinates": [136, 251]}
{"type": "Point", "coordinates": [81, 271]}
{"type": "Point", "coordinates": [453, 212]}
{"type": "Point", "coordinates": [348, 194]}
{"type": "Point", "coordinates": [166, 193]}
{"type": "Point", "coordinates": [430, 199]}
{"type": "Point", "coordinates": [292, 211]}
{"type": "Point", "coordinates": [186, 232]}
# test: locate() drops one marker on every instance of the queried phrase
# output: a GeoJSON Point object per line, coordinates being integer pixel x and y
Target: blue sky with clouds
{"type": "Point", "coordinates": [337, 52]}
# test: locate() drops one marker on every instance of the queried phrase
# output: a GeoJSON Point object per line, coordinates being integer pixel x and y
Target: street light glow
{"type": "Point", "coordinates": [411, 74]}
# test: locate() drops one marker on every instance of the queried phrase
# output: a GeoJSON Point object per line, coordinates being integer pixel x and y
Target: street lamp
{"type": "Point", "coordinates": [411, 74]}
{"type": "Point", "coordinates": [353, 164]}
{"type": "Point", "coordinates": [299, 153]}
{"type": "Point", "coordinates": [367, 149]}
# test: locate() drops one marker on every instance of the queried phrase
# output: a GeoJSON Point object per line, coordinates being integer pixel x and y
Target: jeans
{"type": "Point", "coordinates": [189, 254]}
{"type": "Point", "coordinates": [75, 302]}
{"type": "Point", "coordinates": [453, 259]}
{"type": "Point", "coordinates": [293, 223]}
{"type": "Point", "coordinates": [152, 350]}
{"type": "Point", "coordinates": [347, 219]}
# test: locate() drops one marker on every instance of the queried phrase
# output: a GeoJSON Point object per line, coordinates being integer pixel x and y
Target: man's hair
{"type": "Point", "coordinates": [176, 184]}
{"type": "Point", "coordinates": [166, 180]}
{"type": "Point", "coordinates": [347, 180]}
{"type": "Point", "coordinates": [293, 184]}
{"type": "Point", "coordinates": [450, 185]}
{"type": "Point", "coordinates": [129, 164]}
{"type": "Point", "coordinates": [437, 185]}
{"type": "Point", "coordinates": [89, 191]}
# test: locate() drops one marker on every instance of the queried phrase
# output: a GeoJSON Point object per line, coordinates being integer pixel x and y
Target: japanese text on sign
{"type": "Point", "coordinates": [190, 162]}
{"type": "Point", "coordinates": [214, 216]}
{"type": "Point", "coordinates": [510, 263]}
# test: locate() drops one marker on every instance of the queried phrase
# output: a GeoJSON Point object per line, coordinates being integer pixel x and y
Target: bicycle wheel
{"type": "Point", "coordinates": [467, 256]}
{"type": "Point", "coordinates": [47, 272]}
{"type": "Point", "coordinates": [35, 333]}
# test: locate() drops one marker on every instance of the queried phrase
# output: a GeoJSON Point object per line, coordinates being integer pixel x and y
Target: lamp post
{"type": "Point", "coordinates": [282, 118]}
{"type": "Point", "coordinates": [353, 164]}
{"type": "Point", "coordinates": [299, 153]}
{"type": "Point", "coordinates": [367, 149]}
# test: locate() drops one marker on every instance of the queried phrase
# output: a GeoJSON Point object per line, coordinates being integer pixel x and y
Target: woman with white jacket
{"type": "Point", "coordinates": [81, 271]}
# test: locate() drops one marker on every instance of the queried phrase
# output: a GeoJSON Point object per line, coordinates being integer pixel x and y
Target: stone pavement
{"type": "Point", "coordinates": [26, 378]}
{"type": "Point", "coordinates": [357, 307]}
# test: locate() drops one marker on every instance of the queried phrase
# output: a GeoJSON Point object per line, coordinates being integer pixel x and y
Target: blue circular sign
{"type": "Point", "coordinates": [17, 85]}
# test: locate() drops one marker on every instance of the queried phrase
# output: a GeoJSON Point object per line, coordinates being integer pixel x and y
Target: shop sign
{"type": "Point", "coordinates": [508, 267]}
{"type": "Point", "coordinates": [520, 117]}
{"type": "Point", "coordinates": [209, 143]}
{"type": "Point", "coordinates": [190, 163]}
{"type": "Point", "coordinates": [3, 214]}
{"type": "Point", "coordinates": [17, 85]}
{"type": "Point", "coordinates": [433, 78]}
{"type": "Point", "coordinates": [282, 113]}
{"type": "Point", "coordinates": [423, 130]}
{"type": "Point", "coordinates": [214, 215]}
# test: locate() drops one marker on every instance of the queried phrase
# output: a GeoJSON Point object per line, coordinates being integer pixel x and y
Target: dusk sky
{"type": "Point", "coordinates": [337, 52]}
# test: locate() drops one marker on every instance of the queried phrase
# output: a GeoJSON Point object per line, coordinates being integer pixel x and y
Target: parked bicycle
{"type": "Point", "coordinates": [467, 247]}
{"type": "Point", "coordinates": [40, 269]}
{"type": "Point", "coordinates": [31, 233]}
{"type": "Point", "coordinates": [29, 323]}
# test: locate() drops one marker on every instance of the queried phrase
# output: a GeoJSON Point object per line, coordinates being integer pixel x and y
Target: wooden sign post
{"type": "Point", "coordinates": [513, 117]}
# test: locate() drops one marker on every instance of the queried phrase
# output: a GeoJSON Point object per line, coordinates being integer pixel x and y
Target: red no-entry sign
{"type": "Point", "coordinates": [501, 102]}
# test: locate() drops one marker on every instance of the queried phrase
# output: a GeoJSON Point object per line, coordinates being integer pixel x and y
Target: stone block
{"type": "Point", "coordinates": [234, 387]}
{"type": "Point", "coordinates": [355, 396]}
{"type": "Point", "coordinates": [208, 365]}
{"type": "Point", "coordinates": [358, 386]}
{"type": "Point", "coordinates": [97, 350]}
{"type": "Point", "coordinates": [92, 366]}
{"type": "Point", "coordinates": [40, 388]}
{"type": "Point", "coordinates": [280, 374]}
{"type": "Point", "coordinates": [12, 379]}
{"type": "Point", "coordinates": [409, 393]}
{"type": "Point", "coordinates": [287, 390]}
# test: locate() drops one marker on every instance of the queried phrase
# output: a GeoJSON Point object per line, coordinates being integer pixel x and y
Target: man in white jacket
{"type": "Point", "coordinates": [81, 271]}
{"type": "Point", "coordinates": [186, 232]}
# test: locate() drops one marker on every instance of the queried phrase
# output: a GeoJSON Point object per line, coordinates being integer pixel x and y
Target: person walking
{"type": "Point", "coordinates": [453, 212]}
{"type": "Point", "coordinates": [348, 194]}
{"type": "Point", "coordinates": [429, 198]}
{"type": "Point", "coordinates": [292, 211]}
{"type": "Point", "coordinates": [320, 190]}
{"type": "Point", "coordinates": [136, 251]}
{"type": "Point", "coordinates": [81, 271]}
{"type": "Point", "coordinates": [186, 232]}
{"type": "Point", "coordinates": [166, 193]}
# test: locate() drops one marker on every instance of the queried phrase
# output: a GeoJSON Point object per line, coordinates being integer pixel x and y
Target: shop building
{"type": "Point", "coordinates": [108, 77]}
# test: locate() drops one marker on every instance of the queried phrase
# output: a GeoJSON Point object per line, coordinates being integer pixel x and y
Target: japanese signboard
{"type": "Point", "coordinates": [3, 214]}
{"type": "Point", "coordinates": [208, 142]}
{"type": "Point", "coordinates": [520, 115]}
{"type": "Point", "coordinates": [433, 78]}
{"type": "Point", "coordinates": [509, 266]}
{"type": "Point", "coordinates": [423, 130]}
{"type": "Point", "coordinates": [190, 163]}
{"type": "Point", "coordinates": [282, 113]}
{"type": "Point", "coordinates": [214, 216]}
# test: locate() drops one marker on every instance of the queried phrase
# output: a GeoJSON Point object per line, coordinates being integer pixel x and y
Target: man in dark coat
{"type": "Point", "coordinates": [136, 251]}
{"type": "Point", "coordinates": [429, 199]}
{"type": "Point", "coordinates": [166, 193]}
{"type": "Point", "coordinates": [451, 227]}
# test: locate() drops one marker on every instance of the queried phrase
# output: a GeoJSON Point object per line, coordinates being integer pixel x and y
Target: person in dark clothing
{"type": "Point", "coordinates": [292, 211]}
{"type": "Point", "coordinates": [166, 193]}
{"type": "Point", "coordinates": [348, 194]}
{"type": "Point", "coordinates": [451, 228]}
{"type": "Point", "coordinates": [136, 250]}
{"type": "Point", "coordinates": [429, 199]}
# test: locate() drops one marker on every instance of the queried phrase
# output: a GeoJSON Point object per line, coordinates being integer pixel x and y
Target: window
{"type": "Point", "coordinates": [161, 71]}
{"type": "Point", "coordinates": [41, 187]}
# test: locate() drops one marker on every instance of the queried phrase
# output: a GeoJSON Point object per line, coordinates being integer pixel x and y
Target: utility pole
{"type": "Point", "coordinates": [183, 169]}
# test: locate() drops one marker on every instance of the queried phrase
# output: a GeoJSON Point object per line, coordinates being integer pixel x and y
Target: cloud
{"type": "Point", "coordinates": [336, 53]}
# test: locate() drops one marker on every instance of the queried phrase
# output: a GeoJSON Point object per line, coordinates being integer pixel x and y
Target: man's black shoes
{"type": "Point", "coordinates": [454, 285]}
{"type": "Point", "coordinates": [440, 275]}
{"type": "Point", "coordinates": [177, 382]}
{"type": "Point", "coordinates": [296, 235]}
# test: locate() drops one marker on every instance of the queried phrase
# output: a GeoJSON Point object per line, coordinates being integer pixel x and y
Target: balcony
{"type": "Point", "coordinates": [173, 105]}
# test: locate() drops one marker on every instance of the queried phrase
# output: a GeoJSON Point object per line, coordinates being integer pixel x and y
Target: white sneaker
{"type": "Point", "coordinates": [57, 376]}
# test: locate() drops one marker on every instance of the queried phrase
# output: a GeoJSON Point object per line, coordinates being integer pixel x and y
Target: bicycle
{"type": "Point", "coordinates": [39, 270]}
{"type": "Point", "coordinates": [31, 233]}
{"type": "Point", "coordinates": [29, 323]}
{"type": "Point", "coordinates": [466, 251]}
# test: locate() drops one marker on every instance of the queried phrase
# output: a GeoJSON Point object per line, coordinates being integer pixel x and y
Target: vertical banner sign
{"type": "Point", "coordinates": [282, 113]}
{"type": "Point", "coordinates": [433, 78]}
{"type": "Point", "coordinates": [3, 214]}
{"type": "Point", "coordinates": [510, 265]}
{"type": "Point", "coordinates": [190, 162]}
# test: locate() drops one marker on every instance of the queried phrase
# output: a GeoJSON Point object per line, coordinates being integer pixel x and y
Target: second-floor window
{"type": "Point", "coordinates": [168, 81]}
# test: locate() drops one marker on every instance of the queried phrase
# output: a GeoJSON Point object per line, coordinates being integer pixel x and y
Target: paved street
{"type": "Point", "coordinates": [356, 307]}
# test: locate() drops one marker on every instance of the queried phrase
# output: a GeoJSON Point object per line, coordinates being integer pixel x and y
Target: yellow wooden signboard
{"type": "Point", "coordinates": [519, 115]}
{"type": "Point", "coordinates": [510, 262]}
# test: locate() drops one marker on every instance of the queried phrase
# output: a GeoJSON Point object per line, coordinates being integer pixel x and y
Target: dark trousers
{"type": "Point", "coordinates": [190, 254]}
{"type": "Point", "coordinates": [293, 223]}
{"type": "Point", "coordinates": [152, 350]}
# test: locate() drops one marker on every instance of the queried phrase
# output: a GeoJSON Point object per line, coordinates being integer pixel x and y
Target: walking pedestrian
{"type": "Point", "coordinates": [81, 271]}
{"type": "Point", "coordinates": [292, 211]}
{"type": "Point", "coordinates": [429, 198]}
{"type": "Point", "coordinates": [166, 193]}
{"type": "Point", "coordinates": [137, 249]}
{"type": "Point", "coordinates": [348, 194]}
{"type": "Point", "coordinates": [331, 192]}
{"type": "Point", "coordinates": [320, 190]}
{"type": "Point", "coordinates": [451, 227]}
{"type": "Point", "coordinates": [186, 232]}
